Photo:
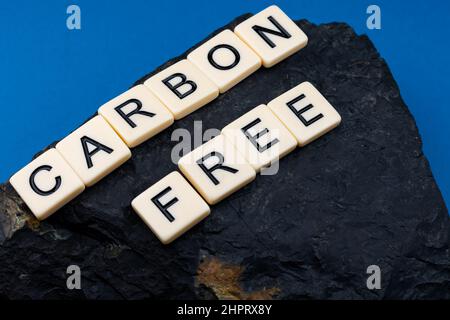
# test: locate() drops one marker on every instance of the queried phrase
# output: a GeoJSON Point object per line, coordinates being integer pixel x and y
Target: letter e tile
{"type": "Point", "coordinates": [305, 112]}
{"type": "Point", "coordinates": [260, 137]}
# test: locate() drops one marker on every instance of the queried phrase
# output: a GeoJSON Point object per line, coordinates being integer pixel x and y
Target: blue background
{"type": "Point", "coordinates": [51, 78]}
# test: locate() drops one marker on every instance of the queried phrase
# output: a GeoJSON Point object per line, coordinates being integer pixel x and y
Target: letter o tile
{"type": "Point", "coordinates": [225, 59]}
{"type": "Point", "coordinates": [260, 137]}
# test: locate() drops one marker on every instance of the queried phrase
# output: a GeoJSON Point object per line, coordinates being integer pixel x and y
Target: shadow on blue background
{"type": "Point", "coordinates": [52, 78]}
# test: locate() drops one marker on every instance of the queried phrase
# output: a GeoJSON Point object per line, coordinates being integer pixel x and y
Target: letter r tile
{"type": "Point", "coordinates": [136, 115]}
{"type": "Point", "coordinates": [216, 169]}
{"type": "Point", "coordinates": [47, 183]}
{"type": "Point", "coordinates": [183, 88]}
{"type": "Point", "coordinates": [170, 207]}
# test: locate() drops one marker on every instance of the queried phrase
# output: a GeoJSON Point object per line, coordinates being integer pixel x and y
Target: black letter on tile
{"type": "Point", "coordinates": [217, 166]}
{"type": "Point", "coordinates": [163, 207]}
{"type": "Point", "coordinates": [98, 147]}
{"type": "Point", "coordinates": [237, 57]}
{"type": "Point", "coordinates": [137, 110]}
{"type": "Point", "coordinates": [261, 31]}
{"type": "Point", "coordinates": [299, 113]}
{"type": "Point", "coordinates": [36, 188]}
{"type": "Point", "coordinates": [254, 139]}
{"type": "Point", "coordinates": [182, 82]}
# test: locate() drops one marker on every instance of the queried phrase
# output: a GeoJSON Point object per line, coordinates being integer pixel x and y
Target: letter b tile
{"type": "Point", "coordinates": [183, 88]}
{"type": "Point", "coordinates": [216, 169]}
{"type": "Point", "coordinates": [170, 207]}
{"type": "Point", "coordinates": [47, 183]}
{"type": "Point", "coordinates": [136, 115]}
{"type": "Point", "coordinates": [93, 150]}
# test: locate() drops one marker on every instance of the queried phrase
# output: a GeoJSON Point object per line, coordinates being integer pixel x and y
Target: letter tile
{"type": "Point", "coordinates": [260, 137]}
{"type": "Point", "coordinates": [136, 115]}
{"type": "Point", "coordinates": [216, 169]}
{"type": "Point", "coordinates": [183, 88]}
{"type": "Point", "coordinates": [272, 35]}
{"type": "Point", "coordinates": [47, 183]}
{"type": "Point", "coordinates": [170, 207]}
{"type": "Point", "coordinates": [225, 59]}
{"type": "Point", "coordinates": [93, 150]}
{"type": "Point", "coordinates": [305, 112]}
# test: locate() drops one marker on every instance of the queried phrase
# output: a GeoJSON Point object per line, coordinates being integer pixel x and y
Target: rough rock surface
{"type": "Point", "coordinates": [361, 195]}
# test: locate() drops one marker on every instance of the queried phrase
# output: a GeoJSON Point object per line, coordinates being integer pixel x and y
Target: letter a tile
{"type": "Point", "coordinates": [93, 150]}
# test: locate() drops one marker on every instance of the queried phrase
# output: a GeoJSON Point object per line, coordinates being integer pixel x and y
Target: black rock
{"type": "Point", "coordinates": [361, 195]}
